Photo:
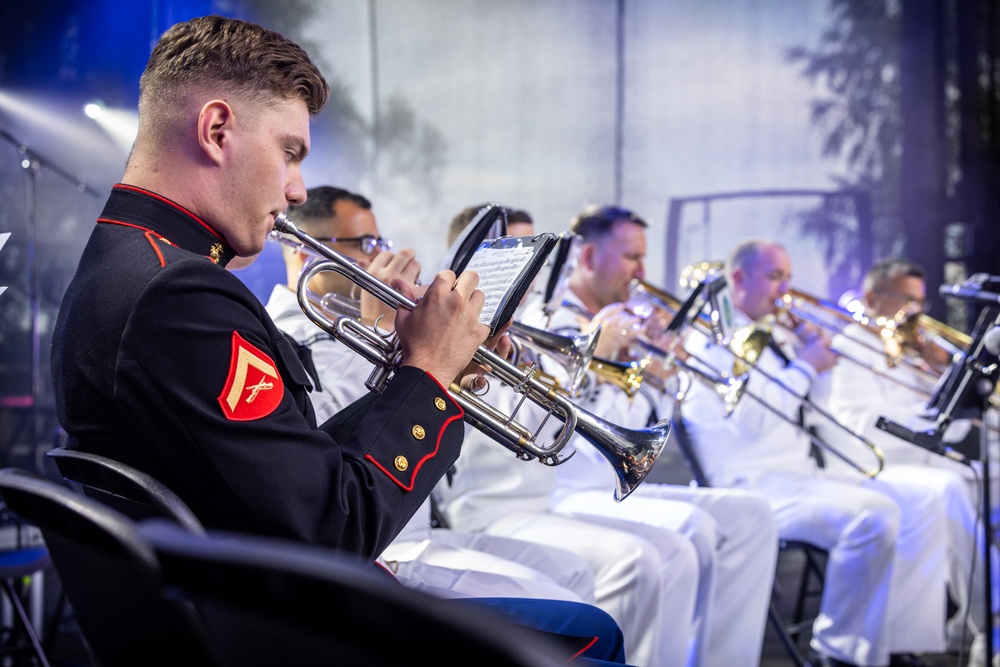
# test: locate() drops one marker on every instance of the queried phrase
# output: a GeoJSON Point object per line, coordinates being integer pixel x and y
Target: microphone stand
{"type": "Point", "coordinates": [32, 162]}
{"type": "Point", "coordinates": [979, 372]}
{"type": "Point", "coordinates": [984, 396]}
{"type": "Point", "coordinates": [967, 391]}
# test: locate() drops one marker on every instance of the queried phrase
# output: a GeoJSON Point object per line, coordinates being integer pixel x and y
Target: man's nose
{"type": "Point", "coordinates": [295, 189]}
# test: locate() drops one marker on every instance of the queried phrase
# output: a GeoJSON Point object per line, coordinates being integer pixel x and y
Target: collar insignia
{"type": "Point", "coordinates": [215, 252]}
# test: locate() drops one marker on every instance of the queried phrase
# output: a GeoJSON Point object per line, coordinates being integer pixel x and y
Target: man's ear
{"type": "Point", "coordinates": [215, 124]}
{"type": "Point", "coordinates": [870, 298]}
{"type": "Point", "coordinates": [737, 276]}
{"type": "Point", "coordinates": [588, 253]}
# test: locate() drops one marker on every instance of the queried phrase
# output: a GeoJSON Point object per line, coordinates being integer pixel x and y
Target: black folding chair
{"type": "Point", "coordinates": [255, 615]}
{"type": "Point", "coordinates": [132, 492]}
{"type": "Point", "coordinates": [111, 577]}
{"type": "Point", "coordinates": [270, 601]}
{"type": "Point", "coordinates": [810, 583]}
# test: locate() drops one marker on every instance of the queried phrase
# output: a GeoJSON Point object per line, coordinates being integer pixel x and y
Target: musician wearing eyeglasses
{"type": "Point", "coordinates": [733, 532]}
{"type": "Point", "coordinates": [447, 562]}
{"type": "Point", "coordinates": [884, 589]}
{"type": "Point", "coordinates": [895, 382]}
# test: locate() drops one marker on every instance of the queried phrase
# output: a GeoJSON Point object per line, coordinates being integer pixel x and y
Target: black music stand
{"type": "Point", "coordinates": [963, 393]}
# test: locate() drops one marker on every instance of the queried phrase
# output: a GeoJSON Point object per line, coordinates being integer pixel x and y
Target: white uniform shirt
{"type": "Point", "coordinates": [858, 397]}
{"type": "Point", "coordinates": [750, 442]}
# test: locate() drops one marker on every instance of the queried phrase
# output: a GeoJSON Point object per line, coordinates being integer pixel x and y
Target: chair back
{"type": "Point", "coordinates": [111, 577]}
{"type": "Point", "coordinates": [684, 443]}
{"type": "Point", "coordinates": [271, 601]}
{"type": "Point", "coordinates": [132, 492]}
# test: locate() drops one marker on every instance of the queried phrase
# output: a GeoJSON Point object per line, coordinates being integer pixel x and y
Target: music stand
{"type": "Point", "coordinates": [489, 223]}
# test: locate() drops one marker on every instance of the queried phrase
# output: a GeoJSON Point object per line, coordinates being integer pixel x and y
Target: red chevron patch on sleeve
{"type": "Point", "coordinates": [254, 387]}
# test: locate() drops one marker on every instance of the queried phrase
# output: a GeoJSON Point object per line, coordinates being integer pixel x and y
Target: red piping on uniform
{"type": "Point", "coordinates": [156, 247]}
{"type": "Point", "coordinates": [437, 445]}
{"type": "Point", "coordinates": [123, 224]}
{"type": "Point", "coordinates": [416, 469]}
{"type": "Point", "coordinates": [132, 188]}
{"type": "Point", "coordinates": [461, 412]}
{"type": "Point", "coordinates": [593, 640]}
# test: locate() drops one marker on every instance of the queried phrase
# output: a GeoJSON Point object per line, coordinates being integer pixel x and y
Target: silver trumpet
{"type": "Point", "coordinates": [573, 352]}
{"type": "Point", "coordinates": [631, 453]}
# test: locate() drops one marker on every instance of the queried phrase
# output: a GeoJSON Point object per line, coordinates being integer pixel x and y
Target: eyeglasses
{"type": "Point", "coordinates": [920, 305]}
{"type": "Point", "coordinates": [367, 243]}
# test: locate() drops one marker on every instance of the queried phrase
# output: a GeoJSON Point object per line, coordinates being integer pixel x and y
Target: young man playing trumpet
{"type": "Point", "coordinates": [185, 376]}
{"type": "Point", "coordinates": [885, 578]}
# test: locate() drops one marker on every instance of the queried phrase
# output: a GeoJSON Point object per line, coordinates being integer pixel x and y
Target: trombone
{"type": "Point", "coordinates": [627, 374]}
{"type": "Point", "coordinates": [897, 333]}
{"type": "Point", "coordinates": [746, 345]}
{"type": "Point", "coordinates": [631, 453]}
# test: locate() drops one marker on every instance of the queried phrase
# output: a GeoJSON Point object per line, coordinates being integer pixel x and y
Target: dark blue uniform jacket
{"type": "Point", "coordinates": [162, 359]}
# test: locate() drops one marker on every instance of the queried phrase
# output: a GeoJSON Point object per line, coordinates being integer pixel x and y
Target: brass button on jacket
{"type": "Point", "coordinates": [401, 463]}
{"type": "Point", "coordinates": [418, 432]}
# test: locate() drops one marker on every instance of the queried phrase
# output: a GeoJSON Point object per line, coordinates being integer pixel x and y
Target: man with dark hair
{"type": "Point", "coordinates": [646, 579]}
{"type": "Point", "coordinates": [184, 360]}
{"type": "Point", "coordinates": [516, 220]}
{"type": "Point", "coordinates": [164, 360]}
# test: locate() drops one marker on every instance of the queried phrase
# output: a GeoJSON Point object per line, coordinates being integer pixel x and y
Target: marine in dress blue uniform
{"type": "Point", "coordinates": [164, 360]}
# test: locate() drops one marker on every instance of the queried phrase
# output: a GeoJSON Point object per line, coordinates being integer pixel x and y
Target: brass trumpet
{"type": "Point", "coordinates": [631, 453]}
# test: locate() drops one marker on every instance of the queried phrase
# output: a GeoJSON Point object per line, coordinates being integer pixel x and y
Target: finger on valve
{"type": "Point", "coordinates": [441, 334]}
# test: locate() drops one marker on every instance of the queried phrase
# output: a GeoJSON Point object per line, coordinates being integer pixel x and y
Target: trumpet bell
{"type": "Point", "coordinates": [573, 352]}
{"type": "Point", "coordinates": [631, 452]}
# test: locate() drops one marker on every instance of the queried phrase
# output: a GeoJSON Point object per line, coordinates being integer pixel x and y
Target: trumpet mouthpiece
{"type": "Point", "coordinates": [283, 224]}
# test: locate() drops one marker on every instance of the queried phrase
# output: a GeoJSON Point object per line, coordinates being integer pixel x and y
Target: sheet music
{"type": "Point", "coordinates": [498, 270]}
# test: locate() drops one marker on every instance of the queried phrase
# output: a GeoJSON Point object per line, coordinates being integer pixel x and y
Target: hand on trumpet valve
{"type": "Point", "coordinates": [442, 333]}
{"type": "Point", "coordinates": [619, 329]}
{"type": "Point", "coordinates": [387, 267]}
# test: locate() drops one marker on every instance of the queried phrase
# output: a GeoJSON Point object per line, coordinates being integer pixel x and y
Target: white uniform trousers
{"type": "Point", "coordinates": [884, 590]}
{"type": "Point", "coordinates": [451, 571]}
{"type": "Point", "coordinates": [966, 556]}
{"type": "Point", "coordinates": [647, 585]}
{"type": "Point", "coordinates": [736, 537]}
